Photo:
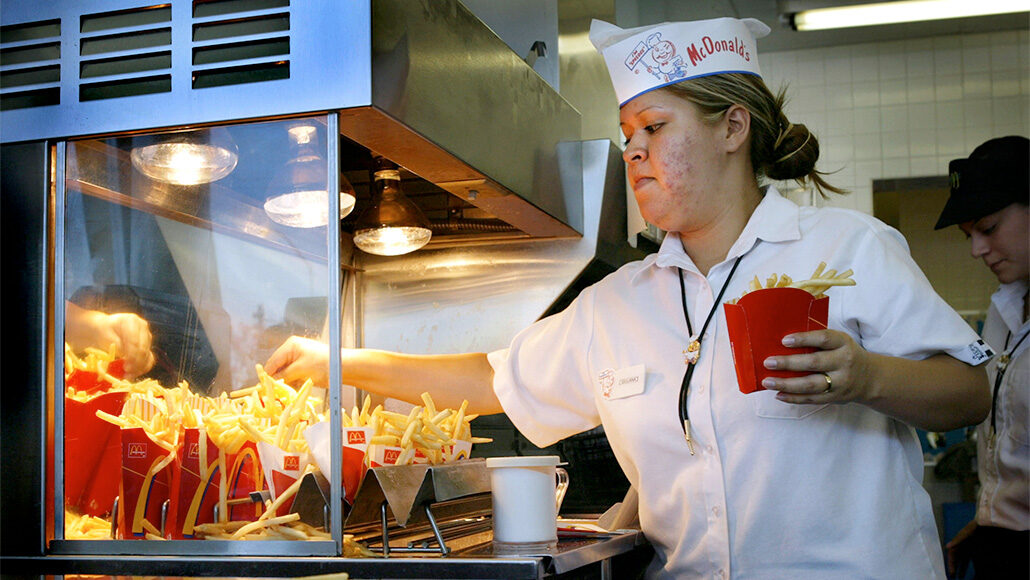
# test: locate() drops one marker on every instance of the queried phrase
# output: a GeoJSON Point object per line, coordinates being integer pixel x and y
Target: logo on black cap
{"type": "Point", "coordinates": [954, 179]}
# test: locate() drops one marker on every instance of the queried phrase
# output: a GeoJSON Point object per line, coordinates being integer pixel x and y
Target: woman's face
{"type": "Point", "coordinates": [1003, 241]}
{"type": "Point", "coordinates": [673, 159]}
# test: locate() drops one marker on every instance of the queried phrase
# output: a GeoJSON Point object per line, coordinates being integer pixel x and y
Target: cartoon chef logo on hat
{"type": "Point", "coordinates": [646, 58]}
{"type": "Point", "coordinates": [657, 57]}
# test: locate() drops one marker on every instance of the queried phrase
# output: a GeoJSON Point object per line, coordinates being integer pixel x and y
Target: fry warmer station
{"type": "Point", "coordinates": [182, 161]}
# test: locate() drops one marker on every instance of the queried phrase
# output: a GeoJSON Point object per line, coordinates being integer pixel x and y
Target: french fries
{"type": "Point", "coordinates": [286, 528]}
{"type": "Point", "coordinates": [97, 361]}
{"type": "Point", "coordinates": [271, 527]}
{"type": "Point", "coordinates": [821, 281]}
{"type": "Point", "coordinates": [425, 434]}
{"type": "Point", "coordinates": [271, 412]}
{"type": "Point", "coordinates": [85, 527]}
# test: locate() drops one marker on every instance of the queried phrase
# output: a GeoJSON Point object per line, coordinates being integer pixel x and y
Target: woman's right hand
{"type": "Point", "coordinates": [126, 332]}
{"type": "Point", "coordinates": [131, 335]}
{"type": "Point", "coordinates": [957, 553]}
{"type": "Point", "coordinates": [298, 359]}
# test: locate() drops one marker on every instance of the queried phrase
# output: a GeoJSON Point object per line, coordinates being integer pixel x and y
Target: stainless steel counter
{"type": "Point", "coordinates": [571, 554]}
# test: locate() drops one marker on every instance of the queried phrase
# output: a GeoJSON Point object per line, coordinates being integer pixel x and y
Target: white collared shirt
{"type": "Point", "coordinates": [1004, 462]}
{"type": "Point", "coordinates": [775, 490]}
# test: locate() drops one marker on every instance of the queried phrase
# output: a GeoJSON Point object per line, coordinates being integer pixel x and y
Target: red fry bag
{"type": "Point", "coordinates": [355, 447]}
{"type": "Point", "coordinates": [244, 475]}
{"type": "Point", "coordinates": [281, 469]}
{"type": "Point", "coordinates": [91, 382]}
{"type": "Point", "coordinates": [145, 485]}
{"type": "Point", "coordinates": [194, 489]}
{"type": "Point", "coordinates": [92, 453]}
{"type": "Point", "coordinates": [759, 321]}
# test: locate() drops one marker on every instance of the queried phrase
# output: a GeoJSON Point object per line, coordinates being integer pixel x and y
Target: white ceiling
{"type": "Point", "coordinates": [628, 13]}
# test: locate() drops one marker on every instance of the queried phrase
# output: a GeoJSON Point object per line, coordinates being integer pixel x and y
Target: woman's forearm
{"type": "Point", "coordinates": [448, 378]}
{"type": "Point", "coordinates": [936, 394]}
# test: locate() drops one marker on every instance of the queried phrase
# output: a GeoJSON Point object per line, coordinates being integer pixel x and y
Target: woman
{"type": "Point", "coordinates": [816, 477]}
{"type": "Point", "coordinates": [988, 203]}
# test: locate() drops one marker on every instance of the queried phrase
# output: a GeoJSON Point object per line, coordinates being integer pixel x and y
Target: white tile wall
{"type": "Point", "coordinates": [906, 108]}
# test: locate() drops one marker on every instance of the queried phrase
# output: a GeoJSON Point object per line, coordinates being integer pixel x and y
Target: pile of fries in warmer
{"type": "Point", "coordinates": [271, 412]}
{"type": "Point", "coordinates": [94, 360]}
{"type": "Point", "coordinates": [97, 361]}
{"type": "Point", "coordinates": [821, 281]}
{"type": "Point", "coordinates": [85, 527]}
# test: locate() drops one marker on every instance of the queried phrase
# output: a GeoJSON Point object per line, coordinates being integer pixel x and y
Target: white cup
{"type": "Point", "coordinates": [526, 502]}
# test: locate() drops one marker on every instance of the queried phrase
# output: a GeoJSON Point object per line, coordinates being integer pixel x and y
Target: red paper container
{"type": "Point", "coordinates": [90, 381]}
{"type": "Point", "coordinates": [244, 469]}
{"type": "Point", "coordinates": [759, 321]}
{"type": "Point", "coordinates": [355, 446]}
{"type": "Point", "coordinates": [142, 492]}
{"type": "Point", "coordinates": [193, 498]}
{"type": "Point", "coordinates": [92, 453]}
{"type": "Point", "coordinates": [281, 469]}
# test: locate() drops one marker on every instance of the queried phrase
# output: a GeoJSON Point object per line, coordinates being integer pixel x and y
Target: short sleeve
{"type": "Point", "coordinates": [897, 312]}
{"type": "Point", "coordinates": [542, 379]}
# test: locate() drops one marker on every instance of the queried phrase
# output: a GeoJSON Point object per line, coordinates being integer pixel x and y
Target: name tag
{"type": "Point", "coordinates": [623, 382]}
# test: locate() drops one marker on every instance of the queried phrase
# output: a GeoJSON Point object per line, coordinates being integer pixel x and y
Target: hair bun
{"type": "Point", "coordinates": [795, 152]}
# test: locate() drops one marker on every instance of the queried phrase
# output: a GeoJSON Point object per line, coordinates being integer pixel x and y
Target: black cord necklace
{"type": "Point", "coordinates": [693, 351]}
{"type": "Point", "coordinates": [1003, 364]}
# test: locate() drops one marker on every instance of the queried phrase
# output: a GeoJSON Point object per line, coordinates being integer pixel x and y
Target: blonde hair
{"type": "Point", "coordinates": [780, 150]}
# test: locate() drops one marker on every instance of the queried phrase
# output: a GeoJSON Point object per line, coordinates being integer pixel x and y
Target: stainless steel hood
{"type": "Point", "coordinates": [422, 82]}
{"type": "Point", "coordinates": [462, 299]}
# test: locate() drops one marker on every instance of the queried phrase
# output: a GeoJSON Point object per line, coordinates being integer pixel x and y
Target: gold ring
{"type": "Point", "coordinates": [829, 383]}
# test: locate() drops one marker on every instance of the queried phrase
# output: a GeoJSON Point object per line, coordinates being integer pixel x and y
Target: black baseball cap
{"type": "Point", "coordinates": [994, 176]}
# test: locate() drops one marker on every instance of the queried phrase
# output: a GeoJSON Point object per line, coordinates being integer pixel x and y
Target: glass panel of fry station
{"type": "Point", "coordinates": [179, 284]}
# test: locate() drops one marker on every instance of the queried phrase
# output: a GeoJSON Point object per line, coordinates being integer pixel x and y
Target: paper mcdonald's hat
{"type": "Point", "coordinates": [650, 57]}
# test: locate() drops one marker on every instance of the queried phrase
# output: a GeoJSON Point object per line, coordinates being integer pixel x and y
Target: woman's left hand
{"type": "Point", "coordinates": [840, 369]}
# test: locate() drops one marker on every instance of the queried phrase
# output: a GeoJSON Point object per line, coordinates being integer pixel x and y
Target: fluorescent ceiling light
{"type": "Point", "coordinates": [901, 11]}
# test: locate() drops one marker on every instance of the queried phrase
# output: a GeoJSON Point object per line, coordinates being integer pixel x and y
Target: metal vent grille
{"type": "Point", "coordinates": [125, 53]}
{"type": "Point", "coordinates": [130, 52]}
{"type": "Point", "coordinates": [240, 41]}
{"type": "Point", "coordinates": [73, 67]}
{"type": "Point", "coordinates": [30, 65]}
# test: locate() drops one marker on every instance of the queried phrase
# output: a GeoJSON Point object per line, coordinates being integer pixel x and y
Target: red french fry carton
{"type": "Point", "coordinates": [244, 477]}
{"type": "Point", "coordinates": [92, 453]}
{"type": "Point", "coordinates": [281, 469]}
{"type": "Point", "coordinates": [91, 382]}
{"type": "Point", "coordinates": [194, 489]}
{"type": "Point", "coordinates": [757, 324]}
{"type": "Point", "coordinates": [144, 487]}
{"type": "Point", "coordinates": [355, 446]}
